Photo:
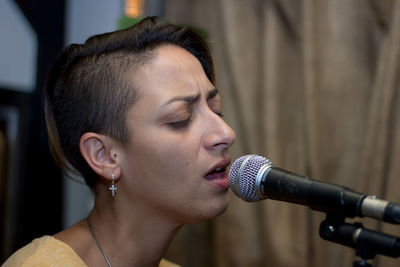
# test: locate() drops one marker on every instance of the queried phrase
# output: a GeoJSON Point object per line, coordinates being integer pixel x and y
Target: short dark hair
{"type": "Point", "coordinates": [87, 89]}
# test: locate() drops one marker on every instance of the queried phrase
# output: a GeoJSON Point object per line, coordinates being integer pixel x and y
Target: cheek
{"type": "Point", "coordinates": [165, 172]}
{"type": "Point", "coordinates": [163, 155]}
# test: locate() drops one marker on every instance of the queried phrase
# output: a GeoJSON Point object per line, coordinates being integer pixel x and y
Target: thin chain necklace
{"type": "Point", "coordinates": [97, 242]}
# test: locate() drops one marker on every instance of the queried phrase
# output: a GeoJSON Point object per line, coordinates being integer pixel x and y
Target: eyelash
{"type": "Point", "coordinates": [184, 123]}
{"type": "Point", "coordinates": [220, 114]}
{"type": "Point", "coordinates": [180, 124]}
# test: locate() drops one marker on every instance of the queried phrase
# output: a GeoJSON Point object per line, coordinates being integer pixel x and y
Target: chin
{"type": "Point", "coordinates": [220, 211]}
{"type": "Point", "coordinates": [210, 212]}
{"type": "Point", "coordinates": [220, 206]}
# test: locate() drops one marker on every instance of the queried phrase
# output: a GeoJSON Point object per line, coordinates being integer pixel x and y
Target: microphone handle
{"type": "Point", "coordinates": [392, 213]}
{"type": "Point", "coordinates": [282, 185]}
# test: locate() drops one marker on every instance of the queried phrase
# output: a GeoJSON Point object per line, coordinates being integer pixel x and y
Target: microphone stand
{"type": "Point", "coordinates": [367, 243]}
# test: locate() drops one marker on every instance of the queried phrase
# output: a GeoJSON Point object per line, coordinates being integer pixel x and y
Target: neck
{"type": "Point", "coordinates": [131, 236]}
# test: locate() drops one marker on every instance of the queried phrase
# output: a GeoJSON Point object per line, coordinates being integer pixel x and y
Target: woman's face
{"type": "Point", "coordinates": [175, 162]}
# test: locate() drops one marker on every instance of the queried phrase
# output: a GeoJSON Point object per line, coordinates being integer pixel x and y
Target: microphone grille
{"type": "Point", "coordinates": [242, 176]}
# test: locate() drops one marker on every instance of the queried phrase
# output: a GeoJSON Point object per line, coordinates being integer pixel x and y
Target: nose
{"type": "Point", "coordinates": [219, 135]}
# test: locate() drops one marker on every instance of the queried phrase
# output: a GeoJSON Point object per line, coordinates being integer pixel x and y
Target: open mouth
{"type": "Point", "coordinates": [218, 171]}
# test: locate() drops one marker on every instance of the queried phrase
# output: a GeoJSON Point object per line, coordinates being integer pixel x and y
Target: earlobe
{"type": "Point", "coordinates": [95, 149]}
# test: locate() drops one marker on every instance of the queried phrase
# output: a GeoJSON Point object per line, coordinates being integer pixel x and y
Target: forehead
{"type": "Point", "coordinates": [173, 70]}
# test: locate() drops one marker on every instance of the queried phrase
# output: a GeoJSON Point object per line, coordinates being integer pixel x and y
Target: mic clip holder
{"type": "Point", "coordinates": [367, 243]}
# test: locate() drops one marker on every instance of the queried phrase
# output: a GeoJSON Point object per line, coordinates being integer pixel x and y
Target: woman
{"type": "Point", "coordinates": [136, 113]}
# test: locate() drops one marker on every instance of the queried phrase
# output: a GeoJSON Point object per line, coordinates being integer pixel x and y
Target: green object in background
{"type": "Point", "coordinates": [126, 22]}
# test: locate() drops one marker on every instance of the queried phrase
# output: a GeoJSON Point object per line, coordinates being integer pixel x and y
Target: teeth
{"type": "Point", "coordinates": [218, 169]}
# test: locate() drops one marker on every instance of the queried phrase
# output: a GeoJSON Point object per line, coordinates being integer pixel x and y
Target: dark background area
{"type": "Point", "coordinates": [36, 199]}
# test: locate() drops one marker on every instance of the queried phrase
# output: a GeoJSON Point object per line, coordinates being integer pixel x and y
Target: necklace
{"type": "Point", "coordinates": [97, 242]}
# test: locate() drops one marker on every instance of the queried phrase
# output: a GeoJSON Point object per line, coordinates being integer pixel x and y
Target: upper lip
{"type": "Point", "coordinates": [222, 164]}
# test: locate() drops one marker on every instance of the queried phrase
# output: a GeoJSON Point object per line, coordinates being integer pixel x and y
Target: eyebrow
{"type": "Point", "coordinates": [212, 93]}
{"type": "Point", "coordinates": [190, 99]}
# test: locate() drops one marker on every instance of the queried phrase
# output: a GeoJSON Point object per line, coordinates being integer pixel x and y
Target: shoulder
{"type": "Point", "coordinates": [165, 263]}
{"type": "Point", "coordinates": [45, 251]}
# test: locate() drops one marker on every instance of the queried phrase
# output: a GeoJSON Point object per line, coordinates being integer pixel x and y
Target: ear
{"type": "Point", "coordinates": [98, 151]}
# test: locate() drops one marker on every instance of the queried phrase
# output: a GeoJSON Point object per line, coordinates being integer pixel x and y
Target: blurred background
{"type": "Point", "coordinates": [313, 85]}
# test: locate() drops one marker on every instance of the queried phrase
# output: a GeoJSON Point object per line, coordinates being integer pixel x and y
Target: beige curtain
{"type": "Point", "coordinates": [313, 85]}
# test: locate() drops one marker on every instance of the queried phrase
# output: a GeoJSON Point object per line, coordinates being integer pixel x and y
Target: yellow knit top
{"type": "Point", "coordinates": [49, 251]}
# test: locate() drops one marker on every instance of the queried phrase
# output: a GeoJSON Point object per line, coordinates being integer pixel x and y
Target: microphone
{"type": "Point", "coordinates": [254, 178]}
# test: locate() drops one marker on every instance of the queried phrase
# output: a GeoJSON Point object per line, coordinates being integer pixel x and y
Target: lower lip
{"type": "Point", "coordinates": [219, 179]}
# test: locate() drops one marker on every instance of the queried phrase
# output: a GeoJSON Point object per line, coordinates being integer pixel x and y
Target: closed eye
{"type": "Point", "coordinates": [180, 124]}
{"type": "Point", "coordinates": [220, 114]}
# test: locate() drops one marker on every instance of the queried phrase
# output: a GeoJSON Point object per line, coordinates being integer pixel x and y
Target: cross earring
{"type": "Point", "coordinates": [113, 188]}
